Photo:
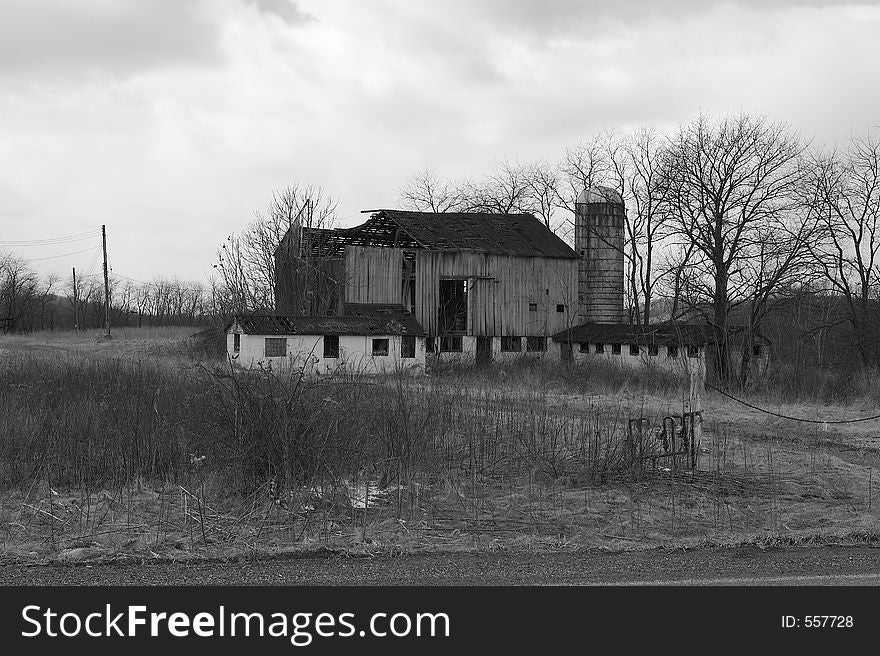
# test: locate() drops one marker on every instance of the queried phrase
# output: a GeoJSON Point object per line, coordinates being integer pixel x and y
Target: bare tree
{"type": "Point", "coordinates": [425, 191]}
{"type": "Point", "coordinates": [246, 262]}
{"type": "Point", "coordinates": [19, 293]}
{"type": "Point", "coordinates": [845, 195]}
{"type": "Point", "coordinates": [507, 189]}
{"type": "Point", "coordinates": [636, 171]}
{"type": "Point", "coordinates": [732, 184]}
{"type": "Point", "coordinates": [582, 167]}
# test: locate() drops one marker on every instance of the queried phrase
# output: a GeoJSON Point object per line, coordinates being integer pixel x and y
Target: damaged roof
{"type": "Point", "coordinates": [661, 334]}
{"type": "Point", "coordinates": [397, 323]}
{"type": "Point", "coordinates": [521, 235]}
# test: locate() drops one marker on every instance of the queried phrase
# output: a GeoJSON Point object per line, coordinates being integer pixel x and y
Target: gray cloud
{"type": "Point", "coordinates": [286, 10]}
{"type": "Point", "coordinates": [58, 38]}
{"type": "Point", "coordinates": [542, 19]}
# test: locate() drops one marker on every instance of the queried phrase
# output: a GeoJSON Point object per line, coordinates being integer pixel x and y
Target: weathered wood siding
{"type": "Point", "coordinates": [500, 288]}
{"type": "Point", "coordinates": [373, 275]}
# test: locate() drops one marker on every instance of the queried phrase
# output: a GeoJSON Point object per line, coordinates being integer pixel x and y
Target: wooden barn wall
{"type": "Point", "coordinates": [373, 275]}
{"type": "Point", "coordinates": [500, 290]}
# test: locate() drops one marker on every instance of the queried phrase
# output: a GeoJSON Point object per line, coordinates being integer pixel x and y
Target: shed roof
{"type": "Point", "coordinates": [661, 333]}
{"type": "Point", "coordinates": [521, 235]}
{"type": "Point", "coordinates": [382, 324]}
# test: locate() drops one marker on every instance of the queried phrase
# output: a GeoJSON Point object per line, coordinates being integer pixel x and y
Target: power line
{"type": "Point", "coordinates": [54, 257]}
{"type": "Point", "coordinates": [119, 275]}
{"type": "Point", "coordinates": [49, 241]}
{"type": "Point", "coordinates": [776, 414]}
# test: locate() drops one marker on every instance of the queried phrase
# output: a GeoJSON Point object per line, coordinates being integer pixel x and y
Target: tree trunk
{"type": "Point", "coordinates": [720, 315]}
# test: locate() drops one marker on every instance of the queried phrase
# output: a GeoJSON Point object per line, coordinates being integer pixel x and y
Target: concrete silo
{"type": "Point", "coordinates": [598, 240]}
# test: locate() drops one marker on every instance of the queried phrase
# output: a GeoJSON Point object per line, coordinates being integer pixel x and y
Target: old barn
{"type": "Point", "coordinates": [483, 286]}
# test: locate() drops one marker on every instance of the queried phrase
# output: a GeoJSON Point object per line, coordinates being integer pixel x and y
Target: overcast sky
{"type": "Point", "coordinates": [171, 121]}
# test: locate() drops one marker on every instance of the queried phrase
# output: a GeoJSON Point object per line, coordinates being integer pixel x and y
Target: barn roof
{"type": "Point", "coordinates": [661, 333]}
{"type": "Point", "coordinates": [521, 235]}
{"type": "Point", "coordinates": [398, 323]}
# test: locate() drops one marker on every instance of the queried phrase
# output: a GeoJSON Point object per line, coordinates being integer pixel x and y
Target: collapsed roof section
{"type": "Point", "coordinates": [520, 235]}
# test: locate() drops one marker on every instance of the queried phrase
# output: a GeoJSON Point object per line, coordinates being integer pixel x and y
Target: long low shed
{"type": "Point", "coordinates": [323, 345]}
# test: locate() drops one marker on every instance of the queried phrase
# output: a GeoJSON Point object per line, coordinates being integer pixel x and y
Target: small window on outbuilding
{"type": "Point", "coordinates": [511, 344]}
{"type": "Point", "coordinates": [536, 344]}
{"type": "Point", "coordinates": [693, 351]}
{"type": "Point", "coordinates": [275, 347]}
{"type": "Point", "coordinates": [450, 343]}
{"type": "Point", "coordinates": [600, 348]}
{"type": "Point", "coordinates": [634, 349]}
{"type": "Point", "coordinates": [408, 346]}
{"type": "Point", "coordinates": [672, 351]}
{"type": "Point", "coordinates": [236, 343]}
{"type": "Point", "coordinates": [560, 307]}
{"type": "Point", "coordinates": [331, 346]}
{"type": "Point", "coordinates": [380, 347]}
{"type": "Point", "coordinates": [653, 349]}
{"type": "Point", "coordinates": [584, 347]}
{"type": "Point", "coordinates": [533, 307]}
{"type": "Point", "coordinates": [615, 349]}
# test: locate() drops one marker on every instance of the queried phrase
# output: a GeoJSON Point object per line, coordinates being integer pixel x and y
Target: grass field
{"type": "Point", "coordinates": [148, 446]}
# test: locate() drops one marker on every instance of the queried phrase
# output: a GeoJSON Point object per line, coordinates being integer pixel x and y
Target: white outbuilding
{"type": "Point", "coordinates": [387, 341]}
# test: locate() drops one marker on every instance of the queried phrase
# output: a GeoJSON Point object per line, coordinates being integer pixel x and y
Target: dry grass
{"type": "Point", "coordinates": [124, 454]}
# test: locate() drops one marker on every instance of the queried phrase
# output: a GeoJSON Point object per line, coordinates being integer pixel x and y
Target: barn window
{"type": "Point", "coordinates": [600, 347]}
{"type": "Point", "coordinates": [380, 347]}
{"type": "Point", "coordinates": [633, 349]}
{"type": "Point", "coordinates": [236, 343]}
{"type": "Point", "coordinates": [653, 349]}
{"type": "Point", "coordinates": [756, 350]}
{"type": "Point", "coordinates": [451, 343]}
{"type": "Point", "coordinates": [533, 307]}
{"type": "Point", "coordinates": [536, 343]}
{"type": "Point", "coordinates": [693, 351]}
{"type": "Point", "coordinates": [511, 344]}
{"type": "Point", "coordinates": [331, 346]}
{"type": "Point", "coordinates": [276, 347]}
{"type": "Point", "coordinates": [584, 347]}
{"type": "Point", "coordinates": [615, 349]}
{"type": "Point", "coordinates": [560, 307]}
{"type": "Point", "coordinates": [672, 351]}
{"type": "Point", "coordinates": [408, 346]}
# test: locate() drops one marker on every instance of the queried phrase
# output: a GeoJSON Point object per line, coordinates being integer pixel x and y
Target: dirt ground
{"type": "Point", "coordinates": [759, 480]}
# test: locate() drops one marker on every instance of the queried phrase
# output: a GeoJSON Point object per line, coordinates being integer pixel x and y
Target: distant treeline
{"type": "Point", "coordinates": [29, 302]}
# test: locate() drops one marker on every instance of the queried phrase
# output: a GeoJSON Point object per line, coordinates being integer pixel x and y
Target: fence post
{"type": "Point", "coordinates": [697, 383]}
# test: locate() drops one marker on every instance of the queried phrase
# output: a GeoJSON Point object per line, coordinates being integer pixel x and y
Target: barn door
{"type": "Point", "coordinates": [484, 351]}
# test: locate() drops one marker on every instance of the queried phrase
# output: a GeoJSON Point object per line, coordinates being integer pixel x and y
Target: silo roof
{"type": "Point", "coordinates": [599, 194]}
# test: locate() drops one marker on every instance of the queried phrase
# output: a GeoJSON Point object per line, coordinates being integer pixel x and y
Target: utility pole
{"type": "Point", "coordinates": [75, 308]}
{"type": "Point", "coordinates": [106, 285]}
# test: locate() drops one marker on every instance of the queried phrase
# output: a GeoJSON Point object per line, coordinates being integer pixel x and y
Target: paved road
{"type": "Point", "coordinates": [711, 566]}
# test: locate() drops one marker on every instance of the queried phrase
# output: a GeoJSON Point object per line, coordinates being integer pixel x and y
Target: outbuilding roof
{"type": "Point", "coordinates": [399, 323]}
{"type": "Point", "coordinates": [521, 235]}
{"type": "Point", "coordinates": [661, 333]}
